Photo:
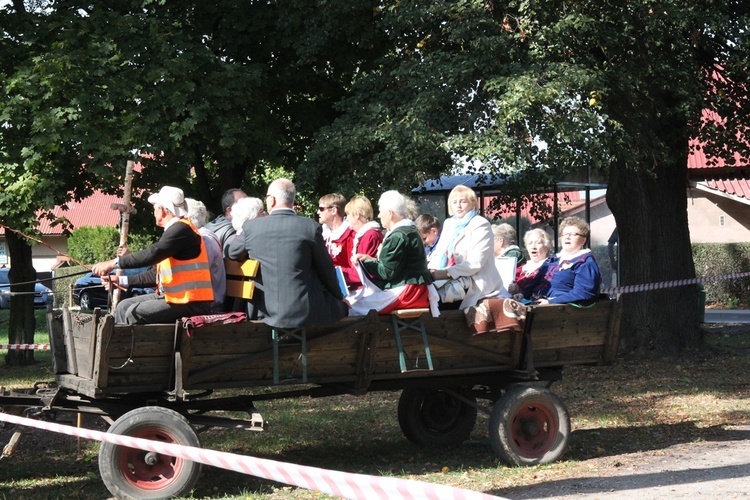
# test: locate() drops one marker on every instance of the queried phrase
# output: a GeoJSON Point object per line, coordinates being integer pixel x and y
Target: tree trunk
{"type": "Point", "coordinates": [650, 209]}
{"type": "Point", "coordinates": [21, 323]}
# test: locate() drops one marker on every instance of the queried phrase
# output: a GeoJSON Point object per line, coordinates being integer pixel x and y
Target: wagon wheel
{"type": "Point", "coordinates": [138, 474]}
{"type": "Point", "coordinates": [529, 426]}
{"type": "Point", "coordinates": [429, 417]}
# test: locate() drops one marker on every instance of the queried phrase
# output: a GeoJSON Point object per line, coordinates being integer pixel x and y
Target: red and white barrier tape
{"type": "Point", "coordinates": [25, 347]}
{"type": "Point", "coordinates": [669, 284]}
{"type": "Point", "coordinates": [343, 484]}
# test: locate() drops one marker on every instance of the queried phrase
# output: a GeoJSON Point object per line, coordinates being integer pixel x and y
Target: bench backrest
{"type": "Point", "coordinates": [240, 276]}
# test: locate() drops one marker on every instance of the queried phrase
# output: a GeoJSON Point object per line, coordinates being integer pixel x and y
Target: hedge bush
{"type": "Point", "coordinates": [63, 283]}
{"type": "Point", "coordinates": [715, 259]}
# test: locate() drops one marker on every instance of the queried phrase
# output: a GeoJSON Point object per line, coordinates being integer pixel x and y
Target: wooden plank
{"type": "Point", "coordinates": [158, 381]}
{"type": "Point", "coordinates": [502, 357]}
{"type": "Point", "coordinates": [162, 364]}
{"type": "Point", "coordinates": [57, 343]}
{"type": "Point", "coordinates": [239, 278]}
{"type": "Point", "coordinates": [70, 352]}
{"type": "Point", "coordinates": [91, 355]}
{"type": "Point", "coordinates": [567, 339]}
{"type": "Point", "coordinates": [103, 334]}
{"type": "Point", "coordinates": [240, 289]}
{"type": "Point", "coordinates": [80, 385]}
{"type": "Point", "coordinates": [248, 268]}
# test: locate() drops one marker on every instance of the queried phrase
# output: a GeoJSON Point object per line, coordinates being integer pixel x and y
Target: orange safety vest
{"type": "Point", "coordinates": [183, 281]}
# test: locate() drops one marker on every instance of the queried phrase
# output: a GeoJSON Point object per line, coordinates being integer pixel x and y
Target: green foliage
{"type": "Point", "coordinates": [93, 244]}
{"type": "Point", "coordinates": [62, 285]}
{"type": "Point", "coordinates": [139, 241]}
{"type": "Point", "coordinates": [360, 97]}
{"type": "Point", "coordinates": [716, 259]}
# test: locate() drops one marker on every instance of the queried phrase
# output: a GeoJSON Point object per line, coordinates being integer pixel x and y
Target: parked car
{"type": "Point", "coordinates": [42, 294]}
{"type": "Point", "coordinates": [88, 291]}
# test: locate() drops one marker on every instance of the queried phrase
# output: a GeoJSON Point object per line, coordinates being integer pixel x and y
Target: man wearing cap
{"type": "Point", "coordinates": [182, 269]}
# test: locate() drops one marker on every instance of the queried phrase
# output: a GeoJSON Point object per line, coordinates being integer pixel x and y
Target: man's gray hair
{"type": "Point", "coordinates": [393, 201]}
{"type": "Point", "coordinates": [283, 190]}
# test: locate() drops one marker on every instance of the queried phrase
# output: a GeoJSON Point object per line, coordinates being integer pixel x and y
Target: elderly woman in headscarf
{"type": "Point", "coordinates": [463, 262]}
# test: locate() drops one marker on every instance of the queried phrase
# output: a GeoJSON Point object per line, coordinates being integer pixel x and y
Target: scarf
{"type": "Point", "coordinates": [531, 266]}
{"type": "Point", "coordinates": [458, 230]}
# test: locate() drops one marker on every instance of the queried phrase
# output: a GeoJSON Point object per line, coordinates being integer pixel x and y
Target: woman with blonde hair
{"type": "Point", "coordinates": [464, 257]}
{"type": "Point", "coordinates": [367, 235]}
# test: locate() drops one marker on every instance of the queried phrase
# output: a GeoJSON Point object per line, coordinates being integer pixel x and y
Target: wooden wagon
{"type": "Point", "coordinates": [155, 381]}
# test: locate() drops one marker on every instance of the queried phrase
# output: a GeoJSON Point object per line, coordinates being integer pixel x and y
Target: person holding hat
{"type": "Point", "coordinates": [181, 272]}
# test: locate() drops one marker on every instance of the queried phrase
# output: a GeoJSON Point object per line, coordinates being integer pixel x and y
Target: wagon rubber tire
{"type": "Point", "coordinates": [435, 418]}
{"type": "Point", "coordinates": [85, 301]}
{"type": "Point", "coordinates": [529, 426]}
{"type": "Point", "coordinates": [138, 474]}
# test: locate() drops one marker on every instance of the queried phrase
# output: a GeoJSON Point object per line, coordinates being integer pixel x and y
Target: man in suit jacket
{"type": "Point", "coordinates": [297, 285]}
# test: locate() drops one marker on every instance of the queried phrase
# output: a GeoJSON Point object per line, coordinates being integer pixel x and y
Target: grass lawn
{"type": "Point", "coordinates": [632, 406]}
{"type": "Point", "coordinates": [26, 375]}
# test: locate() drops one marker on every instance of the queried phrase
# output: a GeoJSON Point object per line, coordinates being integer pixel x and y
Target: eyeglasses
{"type": "Point", "coordinates": [571, 234]}
{"type": "Point", "coordinates": [323, 209]}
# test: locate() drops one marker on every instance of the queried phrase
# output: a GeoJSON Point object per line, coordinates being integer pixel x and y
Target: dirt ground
{"type": "Point", "coordinates": [713, 468]}
{"type": "Point", "coordinates": [710, 469]}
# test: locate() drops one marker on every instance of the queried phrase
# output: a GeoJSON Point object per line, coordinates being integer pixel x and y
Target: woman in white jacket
{"type": "Point", "coordinates": [463, 262]}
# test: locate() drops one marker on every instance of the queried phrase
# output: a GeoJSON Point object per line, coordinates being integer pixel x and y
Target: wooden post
{"type": "Point", "coordinates": [124, 224]}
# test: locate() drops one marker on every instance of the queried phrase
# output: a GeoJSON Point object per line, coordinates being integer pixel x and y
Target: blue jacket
{"type": "Point", "coordinates": [572, 280]}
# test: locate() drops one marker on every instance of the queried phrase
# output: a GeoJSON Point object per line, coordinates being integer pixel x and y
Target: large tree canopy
{"type": "Point", "coordinates": [366, 96]}
{"type": "Point", "coordinates": [552, 87]}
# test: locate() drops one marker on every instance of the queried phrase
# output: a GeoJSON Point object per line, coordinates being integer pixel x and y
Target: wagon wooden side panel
{"type": "Point", "coordinates": [139, 358]}
{"type": "Point", "coordinates": [565, 335]}
{"type": "Point", "coordinates": [104, 358]}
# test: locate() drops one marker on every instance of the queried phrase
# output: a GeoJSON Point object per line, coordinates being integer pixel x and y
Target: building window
{"type": "Point", "coordinates": [722, 221]}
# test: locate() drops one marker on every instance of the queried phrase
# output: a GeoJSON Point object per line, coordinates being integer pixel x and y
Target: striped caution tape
{"type": "Point", "coordinates": [25, 347]}
{"type": "Point", "coordinates": [342, 484]}
{"type": "Point", "coordinates": [670, 284]}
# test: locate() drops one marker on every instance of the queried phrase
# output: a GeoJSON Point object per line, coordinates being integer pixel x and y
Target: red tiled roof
{"type": "Point", "coordinates": [697, 158]}
{"type": "Point", "coordinates": [734, 187]}
{"type": "Point", "coordinates": [92, 211]}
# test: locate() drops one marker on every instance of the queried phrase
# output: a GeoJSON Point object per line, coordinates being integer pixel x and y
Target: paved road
{"type": "Point", "coordinates": [691, 471]}
{"type": "Point", "coordinates": [727, 315]}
